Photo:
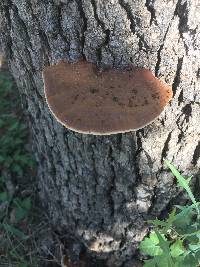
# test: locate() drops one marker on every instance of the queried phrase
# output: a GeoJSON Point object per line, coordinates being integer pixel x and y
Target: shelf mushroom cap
{"type": "Point", "coordinates": [87, 100]}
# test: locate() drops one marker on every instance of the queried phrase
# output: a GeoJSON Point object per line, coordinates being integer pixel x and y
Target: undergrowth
{"type": "Point", "coordinates": [175, 242]}
{"type": "Point", "coordinates": [16, 163]}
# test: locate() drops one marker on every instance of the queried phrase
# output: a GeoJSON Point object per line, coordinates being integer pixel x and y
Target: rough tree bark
{"type": "Point", "coordinates": [101, 189]}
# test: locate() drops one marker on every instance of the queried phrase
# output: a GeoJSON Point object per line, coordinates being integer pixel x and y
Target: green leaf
{"type": "Point", "coordinates": [183, 183]}
{"type": "Point", "coordinates": [177, 248]}
{"type": "Point", "coordinates": [150, 245]}
{"type": "Point", "coordinates": [162, 261]}
{"type": "Point", "coordinates": [178, 261]}
{"type": "Point", "coordinates": [23, 203]}
{"type": "Point", "coordinates": [185, 216]}
{"type": "Point", "coordinates": [172, 216]}
{"type": "Point", "coordinates": [194, 247]}
{"type": "Point", "coordinates": [157, 222]}
{"type": "Point", "coordinates": [23, 264]}
{"type": "Point", "coordinates": [14, 126]}
{"type": "Point", "coordinates": [164, 244]}
{"type": "Point", "coordinates": [4, 197]}
{"type": "Point", "coordinates": [15, 231]}
{"type": "Point", "coordinates": [170, 220]}
{"type": "Point", "coordinates": [2, 158]}
{"type": "Point", "coordinates": [20, 214]}
{"type": "Point", "coordinates": [150, 263]}
{"type": "Point", "coordinates": [189, 179]}
{"type": "Point", "coordinates": [17, 169]}
{"type": "Point", "coordinates": [22, 207]}
{"type": "Point", "coordinates": [2, 179]}
{"type": "Point", "coordinates": [26, 203]}
{"type": "Point", "coordinates": [2, 123]}
{"type": "Point", "coordinates": [190, 261]}
{"type": "Point", "coordinates": [193, 239]}
{"type": "Point", "coordinates": [191, 234]}
{"type": "Point", "coordinates": [197, 255]}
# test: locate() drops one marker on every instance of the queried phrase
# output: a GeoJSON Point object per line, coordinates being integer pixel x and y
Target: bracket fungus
{"type": "Point", "coordinates": [90, 101]}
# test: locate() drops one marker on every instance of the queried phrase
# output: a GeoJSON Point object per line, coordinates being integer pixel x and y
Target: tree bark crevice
{"type": "Point", "coordinates": [150, 8]}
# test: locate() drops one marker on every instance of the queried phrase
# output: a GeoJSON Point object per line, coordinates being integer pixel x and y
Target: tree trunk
{"type": "Point", "coordinates": [101, 189]}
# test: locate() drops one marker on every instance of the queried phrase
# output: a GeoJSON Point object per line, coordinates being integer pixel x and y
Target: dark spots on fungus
{"type": "Point", "coordinates": [130, 103]}
{"type": "Point", "coordinates": [76, 97]}
{"type": "Point", "coordinates": [121, 104]}
{"type": "Point", "coordinates": [115, 99]}
{"type": "Point", "coordinates": [155, 96]}
{"type": "Point", "coordinates": [134, 91]}
{"type": "Point", "coordinates": [93, 90]}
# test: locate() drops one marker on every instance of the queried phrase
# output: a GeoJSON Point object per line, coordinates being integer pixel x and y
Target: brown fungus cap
{"type": "Point", "coordinates": [90, 101]}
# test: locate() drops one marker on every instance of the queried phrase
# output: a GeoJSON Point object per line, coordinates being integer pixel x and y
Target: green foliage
{"type": "Point", "coordinates": [175, 242]}
{"type": "Point", "coordinates": [13, 132]}
{"type": "Point", "coordinates": [12, 153]}
{"type": "Point", "coordinates": [150, 245]}
{"type": "Point", "coordinates": [22, 207]}
{"type": "Point", "coordinates": [23, 264]}
{"type": "Point", "coordinates": [15, 161]}
{"type": "Point", "coordinates": [184, 183]}
{"type": "Point", "coordinates": [13, 230]}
